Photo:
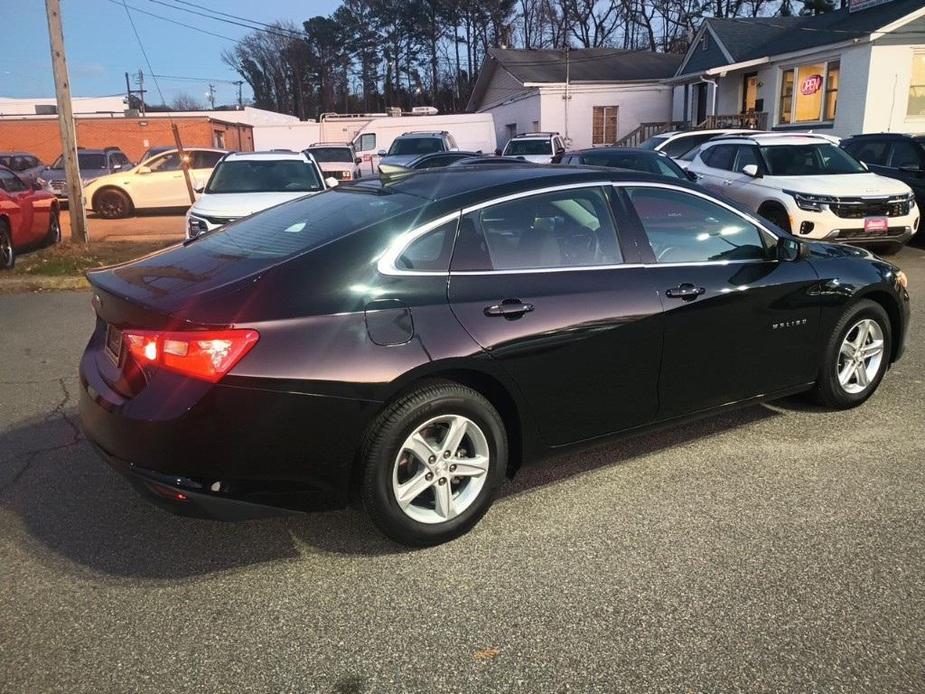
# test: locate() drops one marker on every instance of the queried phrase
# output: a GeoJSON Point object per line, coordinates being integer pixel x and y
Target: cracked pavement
{"type": "Point", "coordinates": [778, 548]}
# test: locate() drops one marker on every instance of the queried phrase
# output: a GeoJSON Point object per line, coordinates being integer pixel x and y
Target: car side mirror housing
{"type": "Point", "coordinates": [691, 176]}
{"type": "Point", "coordinates": [143, 170]}
{"type": "Point", "coordinates": [750, 170]}
{"type": "Point", "coordinates": [789, 250]}
{"type": "Point", "coordinates": [498, 152]}
{"type": "Point", "coordinates": [199, 187]}
{"type": "Point", "coordinates": [357, 160]}
{"type": "Point", "coordinates": [380, 153]}
{"type": "Point", "coordinates": [331, 182]}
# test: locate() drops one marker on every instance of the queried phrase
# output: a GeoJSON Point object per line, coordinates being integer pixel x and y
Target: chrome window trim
{"type": "Point", "coordinates": [386, 263]}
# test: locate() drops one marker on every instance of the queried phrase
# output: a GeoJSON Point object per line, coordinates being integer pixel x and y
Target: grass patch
{"type": "Point", "coordinates": [72, 260]}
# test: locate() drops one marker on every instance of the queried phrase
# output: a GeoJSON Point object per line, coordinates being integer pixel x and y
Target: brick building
{"type": "Point", "coordinates": [39, 135]}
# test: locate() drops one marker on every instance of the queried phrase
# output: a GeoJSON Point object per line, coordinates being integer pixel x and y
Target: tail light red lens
{"type": "Point", "coordinates": [206, 354]}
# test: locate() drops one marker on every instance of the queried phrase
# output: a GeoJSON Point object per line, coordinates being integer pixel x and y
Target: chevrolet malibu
{"type": "Point", "coordinates": [408, 343]}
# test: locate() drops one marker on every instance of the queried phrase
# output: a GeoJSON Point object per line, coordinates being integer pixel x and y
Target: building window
{"type": "Point", "coordinates": [809, 93]}
{"type": "Point", "coordinates": [604, 125]}
{"type": "Point", "coordinates": [218, 139]}
{"type": "Point", "coordinates": [917, 86]}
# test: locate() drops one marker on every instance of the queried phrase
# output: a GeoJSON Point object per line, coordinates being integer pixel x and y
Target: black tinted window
{"type": "Point", "coordinates": [719, 156]}
{"type": "Point", "coordinates": [434, 162]}
{"type": "Point", "coordinates": [686, 228]}
{"type": "Point", "coordinates": [683, 145]}
{"type": "Point", "coordinates": [747, 154]}
{"type": "Point", "coordinates": [567, 228]}
{"type": "Point", "coordinates": [11, 182]}
{"type": "Point", "coordinates": [431, 251]}
{"type": "Point", "coordinates": [809, 160]}
{"type": "Point", "coordinates": [869, 151]}
{"type": "Point", "coordinates": [205, 160]}
{"type": "Point", "coordinates": [906, 154]}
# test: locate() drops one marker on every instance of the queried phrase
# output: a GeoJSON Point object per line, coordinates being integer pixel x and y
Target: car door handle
{"type": "Point", "coordinates": [685, 291]}
{"type": "Point", "coordinates": [727, 182]}
{"type": "Point", "coordinates": [509, 308]}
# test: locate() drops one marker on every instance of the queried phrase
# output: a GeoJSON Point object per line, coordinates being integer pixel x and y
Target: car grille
{"type": "Point", "coordinates": [858, 208]}
{"type": "Point", "coordinates": [861, 235]}
{"type": "Point", "coordinates": [340, 175]}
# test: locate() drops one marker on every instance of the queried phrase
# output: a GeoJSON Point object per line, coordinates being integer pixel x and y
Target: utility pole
{"type": "Point", "coordinates": [240, 99]}
{"type": "Point", "coordinates": [141, 90]}
{"type": "Point", "coordinates": [212, 96]}
{"type": "Point", "coordinates": [566, 96]}
{"type": "Point", "coordinates": [66, 123]}
{"type": "Point", "coordinates": [184, 162]}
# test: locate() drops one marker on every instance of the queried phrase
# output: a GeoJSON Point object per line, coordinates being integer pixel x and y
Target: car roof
{"type": "Point", "coordinates": [455, 185]}
{"type": "Point", "coordinates": [18, 154]}
{"type": "Point", "coordinates": [271, 155]}
{"type": "Point", "coordinates": [422, 133]}
{"type": "Point", "coordinates": [886, 136]}
{"type": "Point", "coordinates": [620, 150]}
{"type": "Point", "coordinates": [344, 145]}
{"type": "Point", "coordinates": [771, 139]}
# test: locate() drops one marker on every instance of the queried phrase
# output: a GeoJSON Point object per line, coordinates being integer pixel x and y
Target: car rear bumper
{"type": "Point", "coordinates": [231, 451]}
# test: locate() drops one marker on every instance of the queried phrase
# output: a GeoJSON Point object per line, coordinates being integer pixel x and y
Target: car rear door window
{"type": "Point", "coordinates": [870, 151]}
{"type": "Point", "coordinates": [682, 227]}
{"type": "Point", "coordinates": [566, 228]}
{"type": "Point", "coordinates": [719, 157]}
{"type": "Point", "coordinates": [10, 182]}
{"type": "Point", "coordinates": [430, 252]}
{"type": "Point", "coordinates": [906, 154]}
{"type": "Point", "coordinates": [745, 155]}
{"type": "Point", "coordinates": [206, 160]}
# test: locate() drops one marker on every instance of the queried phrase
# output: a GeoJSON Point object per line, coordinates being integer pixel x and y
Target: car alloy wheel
{"type": "Point", "coordinates": [112, 204]}
{"type": "Point", "coordinates": [860, 356]}
{"type": "Point", "coordinates": [7, 253]}
{"type": "Point", "coordinates": [54, 230]}
{"type": "Point", "coordinates": [441, 468]}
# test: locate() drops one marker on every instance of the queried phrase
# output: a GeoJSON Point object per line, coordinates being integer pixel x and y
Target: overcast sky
{"type": "Point", "coordinates": [101, 46]}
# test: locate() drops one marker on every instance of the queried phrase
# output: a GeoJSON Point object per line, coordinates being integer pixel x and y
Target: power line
{"type": "Point", "coordinates": [281, 32]}
{"type": "Point", "coordinates": [232, 16]}
{"type": "Point", "coordinates": [195, 79]}
{"type": "Point", "coordinates": [173, 21]}
{"type": "Point", "coordinates": [144, 52]}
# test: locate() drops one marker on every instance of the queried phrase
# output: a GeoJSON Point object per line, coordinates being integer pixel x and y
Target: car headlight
{"type": "Point", "coordinates": [812, 203]}
{"type": "Point", "coordinates": [901, 279]}
{"type": "Point", "coordinates": [347, 175]}
{"type": "Point", "coordinates": [195, 226]}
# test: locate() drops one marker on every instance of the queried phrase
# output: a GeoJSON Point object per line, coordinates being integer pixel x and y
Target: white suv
{"type": "Point", "coordinates": [808, 186]}
{"type": "Point", "coordinates": [678, 143]}
{"type": "Point", "coordinates": [243, 183]}
{"type": "Point", "coordinates": [539, 148]}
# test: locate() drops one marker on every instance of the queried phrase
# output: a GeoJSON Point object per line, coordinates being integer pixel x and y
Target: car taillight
{"type": "Point", "coordinates": [206, 354]}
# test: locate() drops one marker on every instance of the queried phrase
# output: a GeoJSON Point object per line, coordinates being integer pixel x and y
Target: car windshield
{"type": "Point", "coordinates": [416, 145]}
{"type": "Point", "coordinates": [307, 223]}
{"type": "Point", "coordinates": [809, 160]}
{"type": "Point", "coordinates": [636, 161]}
{"type": "Point", "coordinates": [331, 154]}
{"type": "Point", "coordinates": [264, 176]}
{"type": "Point", "coordinates": [517, 148]}
{"type": "Point", "coordinates": [84, 161]}
{"type": "Point", "coordinates": [653, 142]}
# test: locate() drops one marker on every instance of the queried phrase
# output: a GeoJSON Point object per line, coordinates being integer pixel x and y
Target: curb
{"type": "Point", "coordinates": [21, 285]}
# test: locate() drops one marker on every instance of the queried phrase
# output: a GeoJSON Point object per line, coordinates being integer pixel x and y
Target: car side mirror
{"type": "Point", "coordinates": [691, 176]}
{"type": "Point", "coordinates": [381, 153]}
{"type": "Point", "coordinates": [116, 167]}
{"type": "Point", "coordinates": [143, 170]}
{"type": "Point", "coordinates": [199, 187]}
{"type": "Point", "coordinates": [357, 160]}
{"type": "Point", "coordinates": [750, 170]}
{"type": "Point", "coordinates": [498, 152]}
{"type": "Point", "coordinates": [789, 250]}
{"type": "Point", "coordinates": [331, 182]}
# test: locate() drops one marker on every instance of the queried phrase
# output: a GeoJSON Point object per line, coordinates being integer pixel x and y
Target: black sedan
{"type": "Point", "coordinates": [631, 159]}
{"type": "Point", "coordinates": [410, 342]}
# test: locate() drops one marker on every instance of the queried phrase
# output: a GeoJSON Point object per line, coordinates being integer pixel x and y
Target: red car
{"type": "Point", "coordinates": [28, 218]}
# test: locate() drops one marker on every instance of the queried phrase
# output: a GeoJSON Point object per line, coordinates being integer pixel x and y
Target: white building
{"type": "Point", "coordinates": [45, 107]}
{"type": "Point", "coordinates": [859, 69]}
{"type": "Point", "coordinates": [609, 92]}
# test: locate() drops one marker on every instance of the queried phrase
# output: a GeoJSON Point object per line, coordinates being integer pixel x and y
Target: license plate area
{"type": "Point", "coordinates": [876, 225]}
{"type": "Point", "coordinates": [113, 346]}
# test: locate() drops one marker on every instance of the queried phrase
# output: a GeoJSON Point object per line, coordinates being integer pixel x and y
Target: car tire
{"type": "Point", "coordinates": [53, 235]}
{"type": "Point", "coordinates": [112, 203]}
{"type": "Point", "coordinates": [776, 215]}
{"type": "Point", "coordinates": [456, 428]}
{"type": "Point", "coordinates": [863, 325]}
{"type": "Point", "coordinates": [7, 252]}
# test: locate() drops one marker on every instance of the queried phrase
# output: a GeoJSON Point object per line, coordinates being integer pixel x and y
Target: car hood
{"type": "Point", "coordinates": [336, 165]}
{"type": "Point", "coordinates": [398, 159]}
{"type": "Point", "coordinates": [234, 205]}
{"type": "Point", "coordinates": [841, 185]}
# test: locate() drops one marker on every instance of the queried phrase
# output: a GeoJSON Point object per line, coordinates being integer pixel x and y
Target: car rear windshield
{"type": "Point", "coordinates": [416, 145]}
{"type": "Point", "coordinates": [653, 142]}
{"type": "Point", "coordinates": [307, 223]}
{"type": "Point", "coordinates": [331, 154]}
{"type": "Point", "coordinates": [264, 176]}
{"type": "Point", "coordinates": [518, 148]}
{"type": "Point", "coordinates": [636, 161]}
{"type": "Point", "coordinates": [809, 160]}
{"type": "Point", "coordinates": [84, 161]}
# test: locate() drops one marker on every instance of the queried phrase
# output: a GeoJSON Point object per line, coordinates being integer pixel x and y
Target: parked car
{"type": "Point", "coordinates": [25, 165]}
{"type": "Point", "coordinates": [337, 160]}
{"type": "Point", "coordinates": [156, 183]}
{"type": "Point", "coordinates": [410, 342]}
{"type": "Point", "coordinates": [633, 159]}
{"type": "Point", "coordinates": [444, 159]}
{"type": "Point", "coordinates": [894, 155]}
{"type": "Point", "coordinates": [413, 144]}
{"type": "Point", "coordinates": [807, 185]}
{"type": "Point", "coordinates": [92, 163]}
{"type": "Point", "coordinates": [243, 183]}
{"type": "Point", "coordinates": [677, 143]}
{"type": "Point", "coordinates": [151, 151]}
{"type": "Point", "coordinates": [538, 148]}
{"type": "Point", "coordinates": [438, 159]}
{"type": "Point", "coordinates": [28, 217]}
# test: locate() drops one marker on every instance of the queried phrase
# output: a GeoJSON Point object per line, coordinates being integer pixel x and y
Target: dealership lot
{"type": "Point", "coordinates": [779, 548]}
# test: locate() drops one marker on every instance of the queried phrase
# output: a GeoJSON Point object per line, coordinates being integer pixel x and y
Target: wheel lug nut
{"type": "Point", "coordinates": [442, 480]}
{"type": "Point", "coordinates": [432, 459]}
{"type": "Point", "coordinates": [429, 476]}
{"type": "Point", "coordinates": [446, 454]}
{"type": "Point", "coordinates": [452, 468]}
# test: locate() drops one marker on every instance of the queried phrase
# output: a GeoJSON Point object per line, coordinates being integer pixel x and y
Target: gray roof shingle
{"type": "Point", "coordinates": [586, 64]}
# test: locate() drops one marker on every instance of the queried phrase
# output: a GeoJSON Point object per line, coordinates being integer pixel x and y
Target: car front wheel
{"type": "Point", "coordinates": [53, 235]}
{"type": "Point", "coordinates": [434, 460]}
{"type": "Point", "coordinates": [111, 203]}
{"type": "Point", "coordinates": [7, 252]}
{"type": "Point", "coordinates": [857, 356]}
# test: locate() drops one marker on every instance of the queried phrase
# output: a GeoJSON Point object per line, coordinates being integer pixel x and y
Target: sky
{"type": "Point", "coordinates": [101, 46]}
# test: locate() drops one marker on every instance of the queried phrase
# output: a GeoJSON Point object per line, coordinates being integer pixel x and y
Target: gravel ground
{"type": "Point", "coordinates": [779, 548]}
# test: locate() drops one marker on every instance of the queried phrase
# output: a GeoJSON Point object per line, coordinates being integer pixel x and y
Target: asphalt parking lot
{"type": "Point", "coordinates": [154, 226]}
{"type": "Point", "coordinates": [779, 548]}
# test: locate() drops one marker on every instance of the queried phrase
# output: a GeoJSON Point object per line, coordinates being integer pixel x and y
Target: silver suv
{"type": "Point", "coordinates": [411, 145]}
{"type": "Point", "coordinates": [539, 148]}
